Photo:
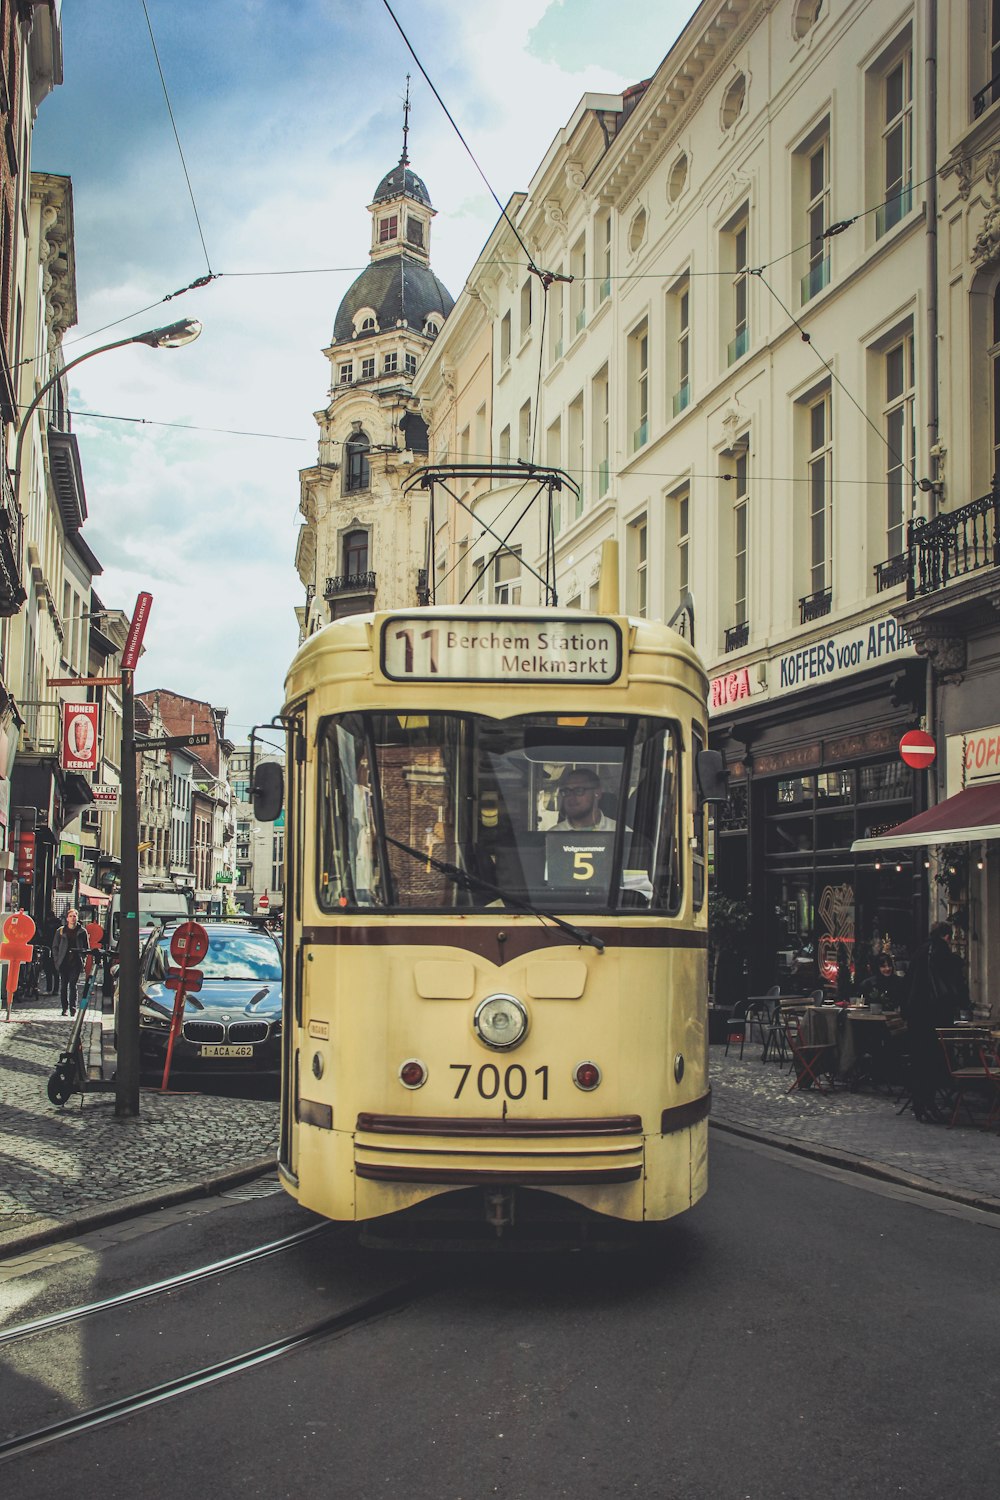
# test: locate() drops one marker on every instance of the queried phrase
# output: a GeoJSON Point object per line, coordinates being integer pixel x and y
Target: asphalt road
{"type": "Point", "coordinates": [801, 1332]}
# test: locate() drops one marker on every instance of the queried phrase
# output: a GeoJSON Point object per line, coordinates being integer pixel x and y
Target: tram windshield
{"type": "Point", "coordinates": [424, 811]}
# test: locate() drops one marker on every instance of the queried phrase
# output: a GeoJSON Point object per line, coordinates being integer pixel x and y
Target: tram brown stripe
{"type": "Point", "coordinates": [429, 1125]}
{"type": "Point", "coordinates": [683, 1115]}
{"type": "Point", "coordinates": [460, 1176]}
{"type": "Point", "coordinates": [484, 941]}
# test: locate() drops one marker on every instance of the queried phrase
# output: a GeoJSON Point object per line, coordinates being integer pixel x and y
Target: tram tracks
{"type": "Point", "coordinates": [394, 1299]}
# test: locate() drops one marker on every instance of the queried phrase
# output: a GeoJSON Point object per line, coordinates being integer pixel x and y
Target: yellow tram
{"type": "Point", "coordinates": [495, 916]}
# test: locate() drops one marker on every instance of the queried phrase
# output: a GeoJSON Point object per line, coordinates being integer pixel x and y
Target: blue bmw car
{"type": "Point", "coordinates": [233, 1022]}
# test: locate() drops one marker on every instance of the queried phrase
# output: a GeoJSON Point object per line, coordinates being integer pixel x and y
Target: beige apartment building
{"type": "Point", "coordinates": [742, 375]}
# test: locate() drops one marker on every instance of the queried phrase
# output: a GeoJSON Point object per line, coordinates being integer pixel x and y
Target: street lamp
{"type": "Point", "coordinates": [174, 336]}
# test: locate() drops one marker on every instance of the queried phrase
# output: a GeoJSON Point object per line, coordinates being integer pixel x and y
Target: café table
{"type": "Point", "coordinates": [857, 1032]}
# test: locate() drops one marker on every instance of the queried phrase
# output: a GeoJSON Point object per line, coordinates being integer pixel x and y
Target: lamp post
{"type": "Point", "coordinates": [173, 336]}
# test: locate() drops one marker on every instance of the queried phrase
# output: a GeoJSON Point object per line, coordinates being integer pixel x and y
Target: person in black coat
{"type": "Point", "coordinates": [70, 947]}
{"type": "Point", "coordinates": [938, 992]}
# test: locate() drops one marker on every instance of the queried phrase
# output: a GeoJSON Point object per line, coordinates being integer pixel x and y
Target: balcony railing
{"type": "Point", "coordinates": [953, 545]}
{"type": "Point", "coordinates": [581, 320]}
{"type": "Point", "coordinates": [894, 571]}
{"type": "Point", "coordinates": [640, 436]}
{"type": "Point", "coordinates": [815, 606]}
{"type": "Point", "coordinates": [604, 290]}
{"type": "Point", "coordinates": [892, 210]}
{"type": "Point", "coordinates": [12, 594]}
{"type": "Point", "coordinates": [815, 279]}
{"type": "Point", "coordinates": [602, 477]}
{"type": "Point", "coordinates": [349, 583]}
{"type": "Point", "coordinates": [987, 96]}
{"type": "Point", "coordinates": [682, 398]}
{"type": "Point", "coordinates": [737, 636]}
{"type": "Point", "coordinates": [739, 345]}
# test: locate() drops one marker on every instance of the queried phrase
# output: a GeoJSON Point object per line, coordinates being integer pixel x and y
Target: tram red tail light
{"type": "Point", "coordinates": [412, 1074]}
{"type": "Point", "coordinates": [587, 1075]}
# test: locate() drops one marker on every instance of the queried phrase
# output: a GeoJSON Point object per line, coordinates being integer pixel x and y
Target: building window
{"type": "Point", "coordinates": [410, 364]}
{"type": "Point", "coordinates": [355, 553]}
{"type": "Point", "coordinates": [432, 327]}
{"type": "Point", "coordinates": [346, 373]}
{"type": "Point", "coordinates": [740, 537]}
{"type": "Point", "coordinates": [637, 230]}
{"type": "Point", "coordinates": [390, 364]}
{"type": "Point", "coordinates": [388, 228]}
{"type": "Point", "coordinates": [525, 307]}
{"type": "Point", "coordinates": [733, 101]}
{"type": "Point", "coordinates": [356, 472]}
{"type": "Point", "coordinates": [817, 219]}
{"type": "Point", "coordinates": [524, 432]}
{"type": "Point", "coordinates": [415, 231]}
{"type": "Point", "coordinates": [734, 253]}
{"type": "Point", "coordinates": [819, 470]}
{"type": "Point", "coordinates": [602, 253]}
{"type": "Point", "coordinates": [638, 385]}
{"type": "Point", "coordinates": [678, 178]}
{"type": "Point", "coordinates": [368, 369]}
{"type": "Point", "coordinates": [900, 438]}
{"type": "Point", "coordinates": [368, 325]}
{"type": "Point", "coordinates": [805, 16]}
{"type": "Point", "coordinates": [574, 454]}
{"type": "Point", "coordinates": [505, 340]}
{"type": "Point", "coordinates": [557, 319]}
{"type": "Point", "coordinates": [897, 144]}
{"type": "Point", "coordinates": [600, 416]}
{"type": "Point", "coordinates": [682, 541]}
{"type": "Point", "coordinates": [578, 287]}
{"type": "Point", "coordinates": [679, 313]}
{"type": "Point", "coordinates": [639, 538]}
{"type": "Point", "coordinates": [553, 444]}
{"type": "Point", "coordinates": [503, 449]}
{"type": "Point", "coordinates": [507, 577]}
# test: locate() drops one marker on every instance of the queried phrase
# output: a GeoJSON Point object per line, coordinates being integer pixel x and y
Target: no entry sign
{"type": "Point", "coordinates": [917, 748]}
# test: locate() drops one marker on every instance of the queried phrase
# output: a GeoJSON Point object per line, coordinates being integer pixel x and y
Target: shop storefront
{"type": "Point", "coordinates": [811, 740]}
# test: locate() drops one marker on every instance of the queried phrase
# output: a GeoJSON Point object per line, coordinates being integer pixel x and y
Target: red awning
{"type": "Point", "coordinates": [967, 818]}
{"type": "Point", "coordinates": [91, 894]}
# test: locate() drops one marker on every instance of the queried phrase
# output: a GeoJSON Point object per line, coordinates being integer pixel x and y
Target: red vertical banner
{"type": "Point", "coordinates": [79, 737]}
{"type": "Point", "coordinates": [136, 631]}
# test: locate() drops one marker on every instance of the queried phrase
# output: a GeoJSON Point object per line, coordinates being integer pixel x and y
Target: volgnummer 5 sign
{"type": "Point", "coordinates": [436, 648]}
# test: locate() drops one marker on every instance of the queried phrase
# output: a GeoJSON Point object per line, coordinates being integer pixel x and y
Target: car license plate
{"type": "Point", "coordinates": [218, 1050]}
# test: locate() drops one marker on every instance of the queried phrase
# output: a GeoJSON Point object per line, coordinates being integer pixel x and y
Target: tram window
{"type": "Point", "coordinates": [439, 811]}
{"type": "Point", "coordinates": [698, 844]}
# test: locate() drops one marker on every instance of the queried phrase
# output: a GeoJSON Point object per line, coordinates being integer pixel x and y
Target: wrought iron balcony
{"type": "Point", "coordinates": [815, 606]}
{"type": "Point", "coordinates": [12, 594]}
{"type": "Point", "coordinates": [953, 545]}
{"type": "Point", "coordinates": [737, 636]}
{"type": "Point", "coordinates": [987, 96]}
{"type": "Point", "coordinates": [894, 571]}
{"type": "Point", "coordinates": [349, 583]}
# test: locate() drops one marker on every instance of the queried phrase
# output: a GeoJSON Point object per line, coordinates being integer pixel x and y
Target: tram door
{"type": "Point", "coordinates": [292, 956]}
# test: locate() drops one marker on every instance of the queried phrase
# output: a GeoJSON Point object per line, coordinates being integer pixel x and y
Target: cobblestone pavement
{"type": "Point", "coordinates": [59, 1164]}
{"type": "Point", "coordinates": [752, 1095]}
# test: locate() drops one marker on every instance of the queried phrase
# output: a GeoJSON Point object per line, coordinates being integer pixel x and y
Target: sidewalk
{"type": "Point", "coordinates": [65, 1170]}
{"type": "Point", "coordinates": [861, 1131]}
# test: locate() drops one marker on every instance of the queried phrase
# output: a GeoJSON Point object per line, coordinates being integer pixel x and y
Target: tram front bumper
{"type": "Point", "coordinates": [465, 1152]}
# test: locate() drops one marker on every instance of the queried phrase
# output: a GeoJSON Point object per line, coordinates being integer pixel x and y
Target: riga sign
{"type": "Point", "coordinates": [917, 749]}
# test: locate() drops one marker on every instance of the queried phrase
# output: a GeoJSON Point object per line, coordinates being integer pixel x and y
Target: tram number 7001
{"type": "Point", "coordinates": [489, 1082]}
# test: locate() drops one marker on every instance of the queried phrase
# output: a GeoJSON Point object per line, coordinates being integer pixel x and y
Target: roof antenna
{"type": "Point", "coordinates": [404, 160]}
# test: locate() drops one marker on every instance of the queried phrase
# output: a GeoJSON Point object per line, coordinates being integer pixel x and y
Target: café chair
{"type": "Point", "coordinates": [989, 1055]}
{"type": "Point", "coordinates": [966, 1072]}
{"type": "Point", "coordinates": [759, 1014]}
{"type": "Point", "coordinates": [810, 1060]}
{"type": "Point", "coordinates": [737, 1028]}
{"type": "Point", "coordinates": [774, 1037]}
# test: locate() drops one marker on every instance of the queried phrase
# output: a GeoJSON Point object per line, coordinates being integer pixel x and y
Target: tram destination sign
{"type": "Point", "coordinates": [439, 648]}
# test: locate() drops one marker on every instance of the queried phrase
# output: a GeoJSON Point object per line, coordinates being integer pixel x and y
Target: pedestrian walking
{"type": "Point", "coordinates": [69, 950]}
{"type": "Point", "coordinates": [49, 928]}
{"type": "Point", "coordinates": [938, 992]}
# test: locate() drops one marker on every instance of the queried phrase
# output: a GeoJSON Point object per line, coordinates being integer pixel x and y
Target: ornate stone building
{"type": "Point", "coordinates": [361, 545]}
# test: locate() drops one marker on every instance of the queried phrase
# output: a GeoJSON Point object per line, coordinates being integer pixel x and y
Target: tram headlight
{"type": "Point", "coordinates": [500, 1022]}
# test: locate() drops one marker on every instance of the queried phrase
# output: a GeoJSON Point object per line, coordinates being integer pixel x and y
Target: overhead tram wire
{"type": "Point", "coordinates": [180, 149]}
{"type": "Point", "coordinates": [103, 416]}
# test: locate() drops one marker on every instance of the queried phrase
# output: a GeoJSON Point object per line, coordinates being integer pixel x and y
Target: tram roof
{"type": "Point", "coordinates": [656, 655]}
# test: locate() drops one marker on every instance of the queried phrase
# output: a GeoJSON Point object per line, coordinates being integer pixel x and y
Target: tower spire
{"type": "Point", "coordinates": [404, 160]}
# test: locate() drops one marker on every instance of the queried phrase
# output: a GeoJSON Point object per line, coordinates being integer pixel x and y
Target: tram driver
{"type": "Point", "coordinates": [580, 801]}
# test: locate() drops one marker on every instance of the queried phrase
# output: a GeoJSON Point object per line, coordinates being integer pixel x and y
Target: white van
{"type": "Point", "coordinates": [162, 901]}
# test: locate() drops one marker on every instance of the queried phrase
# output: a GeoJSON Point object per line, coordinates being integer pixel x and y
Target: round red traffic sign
{"type": "Point", "coordinates": [264, 902]}
{"type": "Point", "coordinates": [189, 944]}
{"type": "Point", "coordinates": [917, 748]}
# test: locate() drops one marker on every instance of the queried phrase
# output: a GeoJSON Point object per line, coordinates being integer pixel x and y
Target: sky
{"type": "Point", "coordinates": [289, 112]}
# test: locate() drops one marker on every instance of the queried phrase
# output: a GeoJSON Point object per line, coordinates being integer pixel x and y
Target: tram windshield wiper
{"type": "Point", "coordinates": [469, 882]}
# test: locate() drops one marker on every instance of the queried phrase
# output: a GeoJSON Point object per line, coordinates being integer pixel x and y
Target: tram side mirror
{"type": "Point", "coordinates": [267, 791]}
{"type": "Point", "coordinates": [713, 778]}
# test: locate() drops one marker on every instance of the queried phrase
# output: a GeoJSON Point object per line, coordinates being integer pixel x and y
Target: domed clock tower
{"type": "Point", "coordinates": [362, 541]}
